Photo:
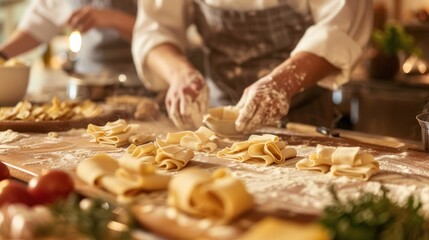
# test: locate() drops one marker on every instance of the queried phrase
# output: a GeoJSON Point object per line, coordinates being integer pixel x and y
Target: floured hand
{"type": "Point", "coordinates": [187, 101]}
{"type": "Point", "coordinates": [263, 102]}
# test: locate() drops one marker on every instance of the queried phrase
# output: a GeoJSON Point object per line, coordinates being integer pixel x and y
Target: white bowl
{"type": "Point", "coordinates": [222, 120]}
{"type": "Point", "coordinates": [13, 84]}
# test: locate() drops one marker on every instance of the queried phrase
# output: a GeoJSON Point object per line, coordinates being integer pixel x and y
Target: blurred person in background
{"type": "Point", "coordinates": [106, 27]}
{"type": "Point", "coordinates": [264, 56]}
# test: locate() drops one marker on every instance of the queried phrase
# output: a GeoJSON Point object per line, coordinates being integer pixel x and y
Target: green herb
{"type": "Point", "coordinates": [375, 217]}
{"type": "Point", "coordinates": [92, 222]}
{"type": "Point", "coordinates": [394, 39]}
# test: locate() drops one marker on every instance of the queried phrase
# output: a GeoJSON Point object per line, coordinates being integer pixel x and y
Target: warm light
{"type": "Point", "coordinates": [407, 67]}
{"type": "Point", "coordinates": [75, 41]}
{"type": "Point", "coordinates": [122, 78]}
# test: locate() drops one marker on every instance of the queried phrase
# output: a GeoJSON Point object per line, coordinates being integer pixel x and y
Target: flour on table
{"type": "Point", "coordinates": [9, 136]}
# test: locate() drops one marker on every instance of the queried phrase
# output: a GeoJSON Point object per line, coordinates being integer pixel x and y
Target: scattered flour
{"type": "Point", "coordinates": [10, 136]}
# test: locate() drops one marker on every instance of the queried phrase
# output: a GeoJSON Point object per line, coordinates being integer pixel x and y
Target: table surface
{"type": "Point", "coordinates": [279, 190]}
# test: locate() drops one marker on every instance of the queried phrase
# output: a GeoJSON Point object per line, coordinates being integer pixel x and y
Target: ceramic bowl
{"type": "Point", "coordinates": [13, 83]}
{"type": "Point", "coordinates": [222, 120]}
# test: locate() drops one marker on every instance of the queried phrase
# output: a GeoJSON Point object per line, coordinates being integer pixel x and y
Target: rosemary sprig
{"type": "Point", "coordinates": [374, 216]}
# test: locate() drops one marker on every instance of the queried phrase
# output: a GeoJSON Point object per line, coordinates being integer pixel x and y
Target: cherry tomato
{"type": "Point", "coordinates": [14, 192]}
{"type": "Point", "coordinates": [4, 171]}
{"type": "Point", "coordinates": [51, 186]}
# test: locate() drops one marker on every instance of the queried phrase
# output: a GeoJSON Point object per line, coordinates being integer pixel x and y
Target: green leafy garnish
{"type": "Point", "coordinates": [91, 222]}
{"type": "Point", "coordinates": [374, 216]}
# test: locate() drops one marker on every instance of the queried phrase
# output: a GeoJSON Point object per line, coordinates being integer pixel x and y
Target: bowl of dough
{"type": "Point", "coordinates": [14, 77]}
{"type": "Point", "coordinates": [222, 120]}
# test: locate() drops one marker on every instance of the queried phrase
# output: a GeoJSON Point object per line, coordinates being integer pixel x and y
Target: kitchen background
{"type": "Point", "coordinates": [376, 100]}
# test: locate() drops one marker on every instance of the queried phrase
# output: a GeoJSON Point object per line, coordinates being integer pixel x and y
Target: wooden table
{"type": "Point", "coordinates": [279, 190]}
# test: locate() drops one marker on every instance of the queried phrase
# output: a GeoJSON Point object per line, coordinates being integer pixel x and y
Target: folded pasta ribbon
{"type": "Point", "coordinates": [120, 177]}
{"type": "Point", "coordinates": [115, 133]}
{"type": "Point", "coordinates": [166, 157]}
{"type": "Point", "coordinates": [340, 161]}
{"type": "Point", "coordinates": [218, 196]}
{"type": "Point", "coordinates": [265, 148]}
{"type": "Point", "coordinates": [200, 140]}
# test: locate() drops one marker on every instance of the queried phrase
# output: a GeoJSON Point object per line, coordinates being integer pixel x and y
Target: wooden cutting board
{"type": "Point", "coordinates": [62, 125]}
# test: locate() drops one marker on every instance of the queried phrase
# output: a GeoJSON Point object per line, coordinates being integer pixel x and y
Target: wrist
{"type": "Point", "coordinates": [3, 56]}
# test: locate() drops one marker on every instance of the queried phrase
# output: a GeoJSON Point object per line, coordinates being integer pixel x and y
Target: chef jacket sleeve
{"type": "Point", "coordinates": [43, 19]}
{"type": "Point", "coordinates": [340, 31]}
{"type": "Point", "coordinates": [158, 22]}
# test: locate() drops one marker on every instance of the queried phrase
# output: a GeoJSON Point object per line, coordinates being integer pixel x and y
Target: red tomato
{"type": "Point", "coordinates": [14, 192]}
{"type": "Point", "coordinates": [51, 186]}
{"type": "Point", "coordinates": [4, 171]}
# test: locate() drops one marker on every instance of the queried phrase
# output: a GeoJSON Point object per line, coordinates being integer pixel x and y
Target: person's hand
{"type": "Point", "coordinates": [89, 17]}
{"type": "Point", "coordinates": [263, 102]}
{"type": "Point", "coordinates": [187, 100]}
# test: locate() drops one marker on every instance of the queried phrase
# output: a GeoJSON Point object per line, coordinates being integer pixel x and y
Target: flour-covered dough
{"type": "Point", "coordinates": [218, 196]}
{"type": "Point", "coordinates": [120, 177]}
{"type": "Point", "coordinates": [341, 161]}
{"type": "Point", "coordinates": [115, 133]}
{"type": "Point", "coordinates": [266, 148]}
{"type": "Point", "coordinates": [158, 154]}
{"type": "Point", "coordinates": [198, 140]}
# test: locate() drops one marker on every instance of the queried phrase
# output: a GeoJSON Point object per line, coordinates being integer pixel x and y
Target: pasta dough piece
{"type": "Point", "coordinates": [267, 148]}
{"type": "Point", "coordinates": [218, 196]}
{"type": "Point", "coordinates": [341, 161]}
{"type": "Point", "coordinates": [118, 178]}
{"type": "Point", "coordinates": [361, 172]}
{"type": "Point", "coordinates": [310, 165]}
{"type": "Point", "coordinates": [173, 157]}
{"type": "Point", "coordinates": [141, 138]}
{"type": "Point", "coordinates": [114, 133]}
{"type": "Point", "coordinates": [321, 160]}
{"type": "Point", "coordinates": [92, 169]}
{"type": "Point", "coordinates": [198, 140]}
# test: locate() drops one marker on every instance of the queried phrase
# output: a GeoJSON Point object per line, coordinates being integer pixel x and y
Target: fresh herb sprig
{"type": "Point", "coordinates": [374, 216]}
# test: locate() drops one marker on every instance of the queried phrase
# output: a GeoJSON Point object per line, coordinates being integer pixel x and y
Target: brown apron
{"type": "Point", "coordinates": [103, 50]}
{"type": "Point", "coordinates": [242, 46]}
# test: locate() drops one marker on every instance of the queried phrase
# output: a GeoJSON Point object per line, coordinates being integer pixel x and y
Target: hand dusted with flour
{"type": "Point", "coordinates": [187, 100]}
{"type": "Point", "coordinates": [269, 98]}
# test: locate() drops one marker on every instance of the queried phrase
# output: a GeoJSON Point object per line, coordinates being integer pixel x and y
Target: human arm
{"type": "Point", "coordinates": [89, 17]}
{"type": "Point", "coordinates": [20, 42]}
{"type": "Point", "coordinates": [325, 56]}
{"type": "Point", "coordinates": [269, 98]}
{"type": "Point", "coordinates": [158, 44]}
{"type": "Point", "coordinates": [187, 96]}
{"type": "Point", "coordinates": [40, 22]}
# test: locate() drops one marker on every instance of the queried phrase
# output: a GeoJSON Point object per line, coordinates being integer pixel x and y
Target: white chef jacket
{"type": "Point", "coordinates": [44, 19]}
{"type": "Point", "coordinates": [340, 31]}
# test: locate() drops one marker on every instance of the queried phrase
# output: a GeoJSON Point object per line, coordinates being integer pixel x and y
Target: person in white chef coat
{"type": "Point", "coordinates": [106, 27]}
{"type": "Point", "coordinates": [264, 56]}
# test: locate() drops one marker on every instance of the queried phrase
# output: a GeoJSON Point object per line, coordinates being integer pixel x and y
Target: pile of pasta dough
{"type": "Point", "coordinates": [165, 157]}
{"type": "Point", "coordinates": [121, 177]}
{"type": "Point", "coordinates": [218, 196]}
{"type": "Point", "coordinates": [118, 133]}
{"type": "Point", "coordinates": [56, 110]}
{"type": "Point", "coordinates": [340, 161]}
{"type": "Point", "coordinates": [266, 148]}
{"type": "Point", "coordinates": [200, 140]}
